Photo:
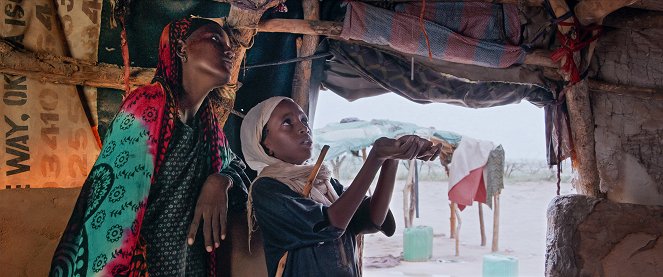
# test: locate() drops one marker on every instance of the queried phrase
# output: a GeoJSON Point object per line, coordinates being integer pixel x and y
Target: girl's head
{"type": "Point", "coordinates": [276, 130]}
{"type": "Point", "coordinates": [196, 46]}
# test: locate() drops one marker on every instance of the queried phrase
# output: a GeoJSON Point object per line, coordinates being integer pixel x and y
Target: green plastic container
{"type": "Point", "coordinates": [418, 244]}
{"type": "Point", "coordinates": [495, 265]}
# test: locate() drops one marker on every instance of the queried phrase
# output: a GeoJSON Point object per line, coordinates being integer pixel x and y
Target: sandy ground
{"type": "Point", "coordinates": [522, 232]}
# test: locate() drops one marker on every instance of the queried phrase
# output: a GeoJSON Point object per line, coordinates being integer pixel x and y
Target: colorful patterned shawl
{"type": "Point", "coordinates": [103, 234]}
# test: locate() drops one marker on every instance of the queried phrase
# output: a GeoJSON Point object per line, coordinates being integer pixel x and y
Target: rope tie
{"type": "Point", "coordinates": [576, 40]}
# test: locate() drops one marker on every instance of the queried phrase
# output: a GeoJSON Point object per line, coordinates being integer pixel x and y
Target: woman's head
{"type": "Point", "coordinates": [276, 130]}
{"type": "Point", "coordinates": [195, 45]}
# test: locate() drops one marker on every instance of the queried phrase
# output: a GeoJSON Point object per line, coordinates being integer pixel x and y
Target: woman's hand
{"type": "Point", "coordinates": [212, 207]}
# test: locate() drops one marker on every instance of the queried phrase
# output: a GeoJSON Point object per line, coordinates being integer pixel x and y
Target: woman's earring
{"type": "Point", "coordinates": [183, 59]}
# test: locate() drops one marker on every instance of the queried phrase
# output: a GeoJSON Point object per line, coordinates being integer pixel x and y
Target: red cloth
{"type": "Point", "coordinates": [469, 189]}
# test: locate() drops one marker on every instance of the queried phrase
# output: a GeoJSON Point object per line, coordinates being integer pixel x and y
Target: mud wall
{"type": "Point", "coordinates": [598, 237]}
{"type": "Point", "coordinates": [629, 147]}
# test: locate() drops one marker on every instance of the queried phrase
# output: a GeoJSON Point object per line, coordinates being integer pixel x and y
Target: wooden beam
{"type": "Point", "coordinates": [634, 19]}
{"type": "Point", "coordinates": [301, 26]}
{"type": "Point", "coordinates": [591, 12]}
{"type": "Point", "coordinates": [333, 30]}
{"type": "Point", "coordinates": [653, 5]}
{"type": "Point", "coordinates": [639, 92]}
{"type": "Point", "coordinates": [302, 77]}
{"type": "Point", "coordinates": [70, 71]}
{"type": "Point", "coordinates": [63, 70]}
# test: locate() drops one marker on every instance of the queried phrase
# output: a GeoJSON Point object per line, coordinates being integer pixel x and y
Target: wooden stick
{"type": "Point", "coordinates": [496, 221]}
{"type": "Point", "coordinates": [407, 192]}
{"type": "Point", "coordinates": [481, 225]}
{"type": "Point", "coordinates": [281, 266]}
{"type": "Point", "coordinates": [452, 220]}
{"type": "Point", "coordinates": [314, 173]}
{"type": "Point", "coordinates": [460, 222]}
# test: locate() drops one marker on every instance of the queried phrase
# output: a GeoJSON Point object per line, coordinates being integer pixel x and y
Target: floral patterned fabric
{"type": "Point", "coordinates": [103, 234]}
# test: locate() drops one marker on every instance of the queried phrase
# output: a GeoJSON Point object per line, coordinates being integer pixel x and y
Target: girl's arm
{"type": "Point", "coordinates": [342, 210]}
{"type": "Point", "coordinates": [382, 197]}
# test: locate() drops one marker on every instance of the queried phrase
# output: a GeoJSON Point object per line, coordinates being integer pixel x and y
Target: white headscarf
{"type": "Point", "coordinates": [251, 133]}
{"type": "Point", "coordinates": [294, 176]}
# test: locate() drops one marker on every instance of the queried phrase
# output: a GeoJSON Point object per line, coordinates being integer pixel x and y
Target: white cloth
{"type": "Point", "coordinates": [469, 155]}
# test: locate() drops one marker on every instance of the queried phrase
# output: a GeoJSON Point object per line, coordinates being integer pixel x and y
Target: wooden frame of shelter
{"type": "Point", "coordinates": [64, 70]}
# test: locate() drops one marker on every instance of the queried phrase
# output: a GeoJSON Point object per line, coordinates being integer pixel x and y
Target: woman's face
{"type": "Point", "coordinates": [208, 51]}
{"type": "Point", "coordinates": [288, 133]}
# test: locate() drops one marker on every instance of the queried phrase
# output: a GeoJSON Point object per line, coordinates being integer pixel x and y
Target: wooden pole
{"type": "Point", "coordinates": [581, 121]}
{"type": "Point", "coordinates": [452, 220]}
{"type": "Point", "coordinates": [407, 192]}
{"type": "Point", "coordinates": [460, 222]}
{"type": "Point", "coordinates": [481, 225]}
{"type": "Point", "coordinates": [302, 76]}
{"type": "Point", "coordinates": [496, 222]}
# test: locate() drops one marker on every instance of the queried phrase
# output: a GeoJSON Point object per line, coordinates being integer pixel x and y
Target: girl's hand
{"type": "Point", "coordinates": [212, 207]}
{"type": "Point", "coordinates": [431, 153]}
{"type": "Point", "coordinates": [403, 148]}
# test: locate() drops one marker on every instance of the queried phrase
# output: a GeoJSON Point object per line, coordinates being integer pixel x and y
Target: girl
{"type": "Point", "coordinates": [165, 164]}
{"type": "Point", "coordinates": [315, 236]}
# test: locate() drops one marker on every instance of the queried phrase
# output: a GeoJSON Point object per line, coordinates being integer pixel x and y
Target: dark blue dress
{"type": "Point", "coordinates": [300, 226]}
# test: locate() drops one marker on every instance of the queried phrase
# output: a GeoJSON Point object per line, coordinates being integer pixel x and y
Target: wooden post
{"type": "Point", "coordinates": [460, 222]}
{"type": "Point", "coordinates": [452, 220]}
{"type": "Point", "coordinates": [244, 37]}
{"type": "Point", "coordinates": [407, 193]}
{"type": "Point", "coordinates": [582, 121]}
{"type": "Point", "coordinates": [302, 77]}
{"type": "Point", "coordinates": [481, 225]}
{"type": "Point", "coordinates": [496, 222]}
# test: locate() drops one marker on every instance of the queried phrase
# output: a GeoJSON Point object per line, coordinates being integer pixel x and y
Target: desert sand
{"type": "Point", "coordinates": [522, 232]}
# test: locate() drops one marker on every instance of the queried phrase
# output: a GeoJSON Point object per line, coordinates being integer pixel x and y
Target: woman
{"type": "Point", "coordinates": [315, 236]}
{"type": "Point", "coordinates": [164, 166]}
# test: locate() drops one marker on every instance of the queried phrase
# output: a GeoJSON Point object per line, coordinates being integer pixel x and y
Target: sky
{"type": "Point", "coordinates": [519, 128]}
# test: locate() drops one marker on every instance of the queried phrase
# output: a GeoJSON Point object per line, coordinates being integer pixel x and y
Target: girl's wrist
{"type": "Point", "coordinates": [374, 156]}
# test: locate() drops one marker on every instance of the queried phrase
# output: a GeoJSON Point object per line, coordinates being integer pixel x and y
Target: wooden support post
{"type": "Point", "coordinates": [302, 77]}
{"type": "Point", "coordinates": [496, 222]}
{"type": "Point", "coordinates": [460, 222]}
{"type": "Point", "coordinates": [408, 192]}
{"type": "Point", "coordinates": [452, 220]}
{"type": "Point", "coordinates": [582, 121]}
{"type": "Point", "coordinates": [582, 132]}
{"type": "Point", "coordinates": [481, 225]}
{"type": "Point", "coordinates": [244, 38]}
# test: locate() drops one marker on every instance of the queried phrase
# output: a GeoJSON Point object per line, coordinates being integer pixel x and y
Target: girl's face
{"type": "Point", "coordinates": [288, 134]}
{"type": "Point", "coordinates": [209, 52]}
